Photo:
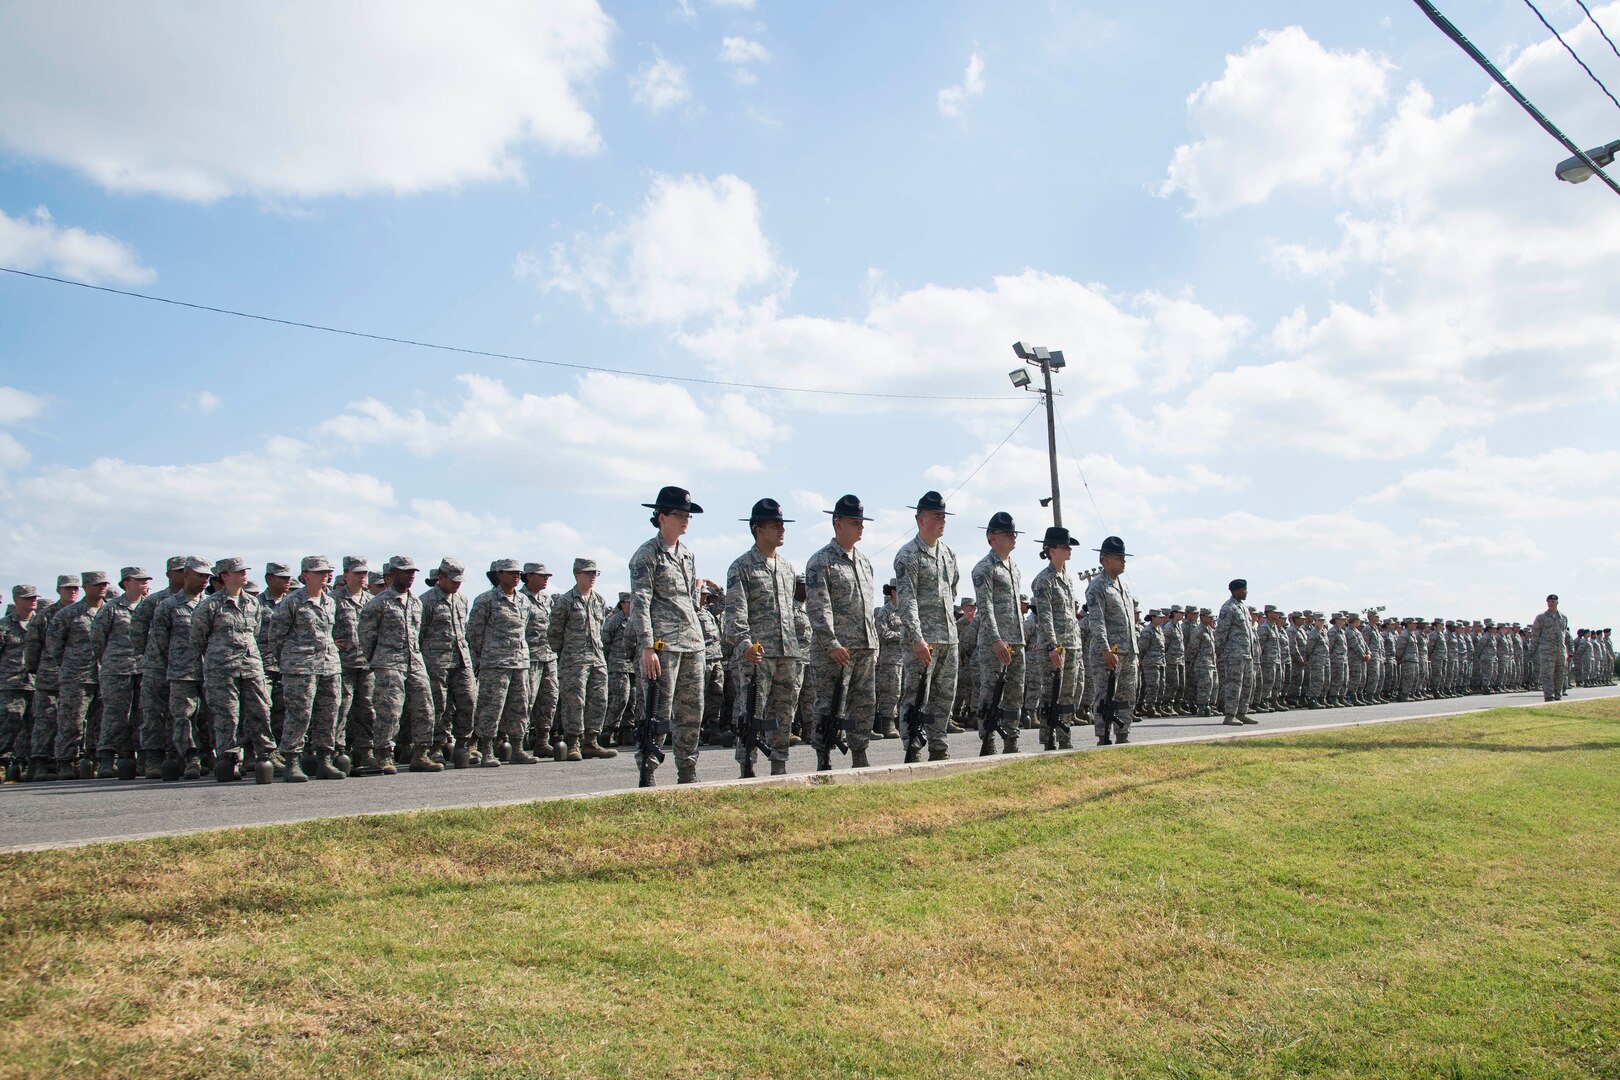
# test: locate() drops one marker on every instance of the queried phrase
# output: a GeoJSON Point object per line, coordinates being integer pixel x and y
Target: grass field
{"type": "Point", "coordinates": [1433, 897]}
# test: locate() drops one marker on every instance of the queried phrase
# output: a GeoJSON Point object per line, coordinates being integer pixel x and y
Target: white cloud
{"type": "Point", "coordinates": [36, 242]}
{"type": "Point", "coordinates": [694, 249]}
{"type": "Point", "coordinates": [298, 99]}
{"type": "Point", "coordinates": [740, 54]}
{"type": "Point", "coordinates": [1286, 111]}
{"type": "Point", "coordinates": [601, 438]}
{"type": "Point", "coordinates": [207, 401]}
{"type": "Point", "coordinates": [18, 405]}
{"type": "Point", "coordinates": [953, 99]}
{"type": "Point", "coordinates": [1555, 485]}
{"type": "Point", "coordinates": [660, 84]}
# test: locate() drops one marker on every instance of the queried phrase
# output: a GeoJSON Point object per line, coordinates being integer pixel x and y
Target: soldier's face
{"type": "Point", "coordinates": [848, 531]}
{"type": "Point", "coordinates": [930, 525]}
{"type": "Point", "coordinates": [136, 589]}
{"type": "Point", "coordinates": [94, 593]}
{"type": "Point", "coordinates": [196, 581]}
{"type": "Point", "coordinates": [1113, 564]}
{"type": "Point", "coordinates": [769, 534]}
{"type": "Point", "coordinates": [536, 583]}
{"type": "Point", "coordinates": [67, 593]}
{"type": "Point", "coordinates": [177, 580]}
{"type": "Point", "coordinates": [402, 580]}
{"type": "Point", "coordinates": [354, 581]}
{"type": "Point", "coordinates": [25, 606]}
{"type": "Point", "coordinates": [277, 584]}
{"type": "Point", "coordinates": [672, 523]}
{"type": "Point", "coordinates": [314, 581]}
{"type": "Point", "coordinates": [507, 580]}
{"type": "Point", "coordinates": [233, 580]}
{"type": "Point", "coordinates": [584, 581]}
{"type": "Point", "coordinates": [1002, 543]}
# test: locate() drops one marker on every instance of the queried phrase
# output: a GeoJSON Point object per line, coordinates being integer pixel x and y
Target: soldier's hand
{"type": "Point", "coordinates": [1003, 653]}
{"type": "Point", "coordinates": [920, 650]}
{"type": "Point", "coordinates": [753, 654]}
{"type": "Point", "coordinates": [1055, 658]}
{"type": "Point", "coordinates": [1111, 658]}
{"type": "Point", "coordinates": [649, 663]}
{"type": "Point", "coordinates": [839, 655]}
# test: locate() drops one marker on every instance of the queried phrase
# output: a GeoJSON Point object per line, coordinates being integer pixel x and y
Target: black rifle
{"type": "Point", "coordinates": [649, 732]}
{"type": "Point", "coordinates": [1105, 712]}
{"type": "Point", "coordinates": [751, 737]}
{"type": "Point", "coordinates": [1054, 719]}
{"type": "Point", "coordinates": [916, 735]}
{"type": "Point", "coordinates": [990, 717]}
{"type": "Point", "coordinates": [830, 726]}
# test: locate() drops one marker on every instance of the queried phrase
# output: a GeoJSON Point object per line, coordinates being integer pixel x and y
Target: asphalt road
{"type": "Point", "coordinates": [70, 813]}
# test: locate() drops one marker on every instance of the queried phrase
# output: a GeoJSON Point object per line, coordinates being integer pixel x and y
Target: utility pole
{"type": "Point", "coordinates": [1048, 360]}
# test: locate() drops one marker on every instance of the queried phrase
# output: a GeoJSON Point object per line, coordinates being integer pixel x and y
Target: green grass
{"type": "Point", "coordinates": [1434, 897]}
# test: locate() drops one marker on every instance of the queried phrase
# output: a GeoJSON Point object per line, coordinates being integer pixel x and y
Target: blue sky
{"type": "Point", "coordinates": [1332, 324]}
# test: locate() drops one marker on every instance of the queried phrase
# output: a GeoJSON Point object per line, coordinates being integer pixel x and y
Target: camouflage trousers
{"type": "Point", "coordinates": [185, 702]}
{"type": "Point", "coordinates": [621, 694]}
{"type": "Point", "coordinates": [1204, 680]}
{"type": "Point", "coordinates": [940, 694]}
{"type": "Point", "coordinates": [1354, 673]}
{"type": "Point", "coordinates": [239, 707]}
{"type": "Point", "coordinates": [1153, 681]}
{"type": "Point", "coordinates": [1124, 682]}
{"type": "Point", "coordinates": [1013, 693]}
{"type": "Point", "coordinates": [454, 692]}
{"type": "Point", "coordinates": [278, 704]}
{"type": "Point", "coordinates": [14, 705]}
{"type": "Point", "coordinates": [78, 719]}
{"type": "Point", "coordinates": [1236, 680]}
{"type": "Point", "coordinates": [860, 696]}
{"type": "Point", "coordinates": [1338, 677]}
{"type": "Point", "coordinates": [886, 696]}
{"type": "Point", "coordinates": [1484, 674]}
{"type": "Point", "coordinates": [1063, 697]}
{"type": "Point", "coordinates": [402, 697]}
{"type": "Point", "coordinates": [503, 703]}
{"type": "Point", "coordinates": [157, 734]}
{"type": "Point", "coordinates": [776, 688]}
{"type": "Point", "coordinates": [678, 703]}
{"type": "Point", "coordinates": [1316, 679]}
{"type": "Point", "coordinates": [311, 713]}
{"type": "Point", "coordinates": [1553, 670]}
{"type": "Point", "coordinates": [1409, 679]}
{"type": "Point", "coordinates": [357, 713]}
{"type": "Point", "coordinates": [581, 696]}
{"type": "Point", "coordinates": [544, 690]}
{"type": "Point", "coordinates": [714, 698]}
{"type": "Point", "coordinates": [1175, 678]}
{"type": "Point", "coordinates": [120, 713]}
{"type": "Point", "coordinates": [43, 737]}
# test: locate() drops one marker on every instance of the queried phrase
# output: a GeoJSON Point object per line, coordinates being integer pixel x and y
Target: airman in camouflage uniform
{"type": "Point", "coordinates": [1234, 650]}
{"type": "Point", "coordinates": [1058, 632]}
{"type": "Point", "coordinates": [1273, 642]}
{"type": "Point", "coordinates": [225, 633]}
{"type": "Point", "coordinates": [500, 630]}
{"type": "Point", "coordinates": [711, 613]}
{"type": "Point", "coordinates": [119, 665]}
{"type": "Point", "coordinates": [620, 646]}
{"type": "Point", "coordinates": [78, 706]}
{"type": "Point", "coordinates": [449, 660]}
{"type": "Point", "coordinates": [997, 585]}
{"type": "Point", "coordinates": [157, 735]}
{"type": "Point", "coordinates": [390, 640]}
{"type": "Point", "coordinates": [1317, 661]}
{"type": "Point", "coordinates": [967, 655]}
{"type": "Point", "coordinates": [1150, 647]}
{"type": "Point", "coordinates": [891, 666]}
{"type": "Point", "coordinates": [46, 685]}
{"type": "Point", "coordinates": [277, 586]}
{"type": "Point", "coordinates": [1175, 661]}
{"type": "Point", "coordinates": [576, 639]}
{"type": "Point", "coordinates": [761, 627]}
{"type": "Point", "coordinates": [1547, 644]}
{"type": "Point", "coordinates": [170, 642]}
{"type": "Point", "coordinates": [1111, 616]}
{"type": "Point", "coordinates": [1406, 654]}
{"type": "Point", "coordinates": [844, 636]}
{"type": "Point", "coordinates": [16, 684]}
{"type": "Point", "coordinates": [663, 608]}
{"type": "Point", "coordinates": [543, 685]}
{"type": "Point", "coordinates": [300, 634]}
{"type": "Point", "coordinates": [357, 713]}
{"type": "Point", "coordinates": [926, 580]}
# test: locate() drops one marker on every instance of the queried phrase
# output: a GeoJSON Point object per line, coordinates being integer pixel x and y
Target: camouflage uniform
{"type": "Point", "coordinates": [78, 705]}
{"type": "Point", "coordinates": [272, 669]}
{"type": "Point", "coordinates": [170, 642]}
{"type": "Point", "coordinates": [891, 666]}
{"type": "Point", "coordinates": [1547, 634]}
{"type": "Point", "coordinates": [760, 610]}
{"type": "Point", "coordinates": [225, 633]}
{"type": "Point", "coordinates": [1273, 643]}
{"type": "Point", "coordinates": [996, 589]}
{"type": "Point", "coordinates": [1234, 649]}
{"type": "Point", "coordinates": [663, 607]}
{"type": "Point", "coordinates": [1150, 647]}
{"type": "Point", "coordinates": [838, 603]}
{"type": "Point", "coordinates": [967, 678]}
{"type": "Point", "coordinates": [449, 660]}
{"type": "Point", "coordinates": [43, 670]}
{"type": "Point", "coordinates": [619, 645]}
{"type": "Point", "coordinates": [120, 674]}
{"type": "Point", "coordinates": [543, 679]}
{"type": "Point", "coordinates": [500, 629]}
{"type": "Point", "coordinates": [575, 635]}
{"type": "Point", "coordinates": [157, 735]}
{"type": "Point", "coordinates": [300, 635]}
{"type": "Point", "coordinates": [1052, 605]}
{"type": "Point", "coordinates": [926, 580]}
{"type": "Point", "coordinates": [1317, 662]}
{"type": "Point", "coordinates": [1111, 616]}
{"type": "Point", "coordinates": [1406, 654]}
{"type": "Point", "coordinates": [357, 713]}
{"type": "Point", "coordinates": [1175, 658]}
{"type": "Point", "coordinates": [716, 722]}
{"type": "Point", "coordinates": [16, 684]}
{"type": "Point", "coordinates": [390, 641]}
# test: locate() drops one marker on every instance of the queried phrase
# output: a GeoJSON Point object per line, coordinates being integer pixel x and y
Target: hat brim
{"type": "Point", "coordinates": [932, 510]}
{"type": "Point", "coordinates": [1122, 554]}
{"type": "Point", "coordinates": [690, 508]}
{"type": "Point", "coordinates": [767, 520]}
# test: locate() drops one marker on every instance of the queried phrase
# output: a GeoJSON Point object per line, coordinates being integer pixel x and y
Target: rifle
{"type": "Point", "coordinates": [752, 723]}
{"type": "Point", "coordinates": [649, 732]}
{"type": "Point", "coordinates": [916, 736]}
{"type": "Point", "coordinates": [1054, 719]}
{"type": "Point", "coordinates": [1106, 711]}
{"type": "Point", "coordinates": [990, 716]}
{"type": "Point", "coordinates": [830, 727]}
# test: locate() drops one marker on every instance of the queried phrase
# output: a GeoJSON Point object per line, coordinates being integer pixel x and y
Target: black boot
{"type": "Point", "coordinates": [857, 759]}
{"type": "Point", "coordinates": [823, 760]}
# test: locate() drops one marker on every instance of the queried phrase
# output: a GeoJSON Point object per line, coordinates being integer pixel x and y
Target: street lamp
{"type": "Point", "coordinates": [1577, 171]}
{"type": "Point", "coordinates": [1048, 360]}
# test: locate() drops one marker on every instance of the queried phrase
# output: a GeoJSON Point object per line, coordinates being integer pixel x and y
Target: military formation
{"type": "Point", "coordinates": [344, 670]}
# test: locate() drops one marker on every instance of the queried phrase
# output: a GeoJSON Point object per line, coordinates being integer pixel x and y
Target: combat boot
{"type": "Point", "coordinates": [294, 773]}
{"type": "Point", "coordinates": [1065, 740]}
{"type": "Point", "coordinates": [778, 768]}
{"type": "Point", "coordinates": [37, 770]}
{"type": "Point", "coordinates": [745, 770]}
{"type": "Point", "coordinates": [521, 756]}
{"type": "Point", "coordinates": [386, 766]}
{"type": "Point", "coordinates": [486, 754]}
{"type": "Point", "coordinates": [857, 759]}
{"type": "Point", "coordinates": [441, 753]}
{"type": "Point", "coordinates": [913, 755]}
{"type": "Point", "coordinates": [1009, 743]}
{"type": "Point", "coordinates": [367, 764]}
{"type": "Point", "coordinates": [939, 755]}
{"type": "Point", "coordinates": [686, 772]}
{"type": "Point", "coordinates": [422, 761]}
{"type": "Point", "coordinates": [953, 728]}
{"type": "Point", "coordinates": [193, 767]}
{"type": "Point", "coordinates": [571, 752]}
{"type": "Point", "coordinates": [1231, 721]}
{"type": "Point", "coordinates": [823, 760]}
{"type": "Point", "coordinates": [152, 765]}
{"type": "Point", "coordinates": [891, 728]}
{"type": "Point", "coordinates": [87, 768]}
{"type": "Point", "coordinates": [325, 769]}
{"type": "Point", "coordinates": [593, 747]}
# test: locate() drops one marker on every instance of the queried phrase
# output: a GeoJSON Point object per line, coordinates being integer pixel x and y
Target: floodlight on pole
{"type": "Point", "coordinates": [1020, 378]}
{"type": "Point", "coordinates": [1578, 170]}
{"type": "Point", "coordinates": [1048, 360]}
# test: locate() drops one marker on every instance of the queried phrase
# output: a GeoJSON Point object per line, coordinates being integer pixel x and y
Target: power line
{"type": "Point", "coordinates": [389, 339]}
{"type": "Point", "coordinates": [1569, 49]}
{"type": "Point", "coordinates": [1483, 61]}
{"type": "Point", "coordinates": [972, 474]}
{"type": "Point", "coordinates": [1593, 19]}
{"type": "Point", "coordinates": [1076, 457]}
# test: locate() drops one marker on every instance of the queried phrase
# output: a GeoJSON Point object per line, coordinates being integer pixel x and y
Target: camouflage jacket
{"type": "Point", "coordinates": [300, 634]}
{"type": "Point", "coordinates": [891, 636]}
{"type": "Point", "coordinates": [664, 597]}
{"type": "Point", "coordinates": [713, 653]}
{"type": "Point", "coordinates": [1150, 644]}
{"type": "Point", "coordinates": [618, 642]}
{"type": "Point", "coordinates": [1051, 598]}
{"type": "Point", "coordinates": [170, 638]}
{"type": "Point", "coordinates": [391, 632]}
{"type": "Point", "coordinates": [996, 586]}
{"type": "Point", "coordinates": [1234, 632]}
{"type": "Point", "coordinates": [759, 604]}
{"type": "Point", "coordinates": [1111, 614]}
{"type": "Point", "coordinates": [113, 639]}
{"type": "Point", "coordinates": [226, 633]}
{"type": "Point", "coordinates": [35, 655]}
{"type": "Point", "coordinates": [267, 610]}
{"type": "Point", "coordinates": [68, 643]}
{"type": "Point", "coordinates": [540, 650]}
{"type": "Point", "coordinates": [140, 629]}
{"type": "Point", "coordinates": [575, 629]}
{"type": "Point", "coordinates": [14, 652]}
{"type": "Point", "coordinates": [1175, 644]}
{"type": "Point", "coordinates": [444, 631]}
{"type": "Point", "coordinates": [500, 628]}
{"type": "Point", "coordinates": [346, 628]}
{"type": "Point", "coordinates": [926, 580]}
{"type": "Point", "coordinates": [838, 599]}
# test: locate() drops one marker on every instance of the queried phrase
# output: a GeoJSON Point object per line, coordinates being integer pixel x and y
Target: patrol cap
{"type": "Point", "coordinates": [94, 577]}
{"type": "Point", "coordinates": [355, 564]}
{"type": "Point", "coordinates": [968, 601]}
{"type": "Point", "coordinates": [231, 564]}
{"type": "Point", "coordinates": [505, 566]}
{"type": "Point", "coordinates": [175, 562]}
{"type": "Point", "coordinates": [133, 573]}
{"type": "Point", "coordinates": [585, 566]}
{"type": "Point", "coordinates": [534, 568]}
{"type": "Point", "coordinates": [623, 597]}
{"type": "Point", "coordinates": [450, 569]}
{"type": "Point", "coordinates": [198, 565]}
{"type": "Point", "coordinates": [251, 588]}
{"type": "Point", "coordinates": [374, 577]}
{"type": "Point", "coordinates": [67, 581]}
{"type": "Point", "coordinates": [23, 592]}
{"type": "Point", "coordinates": [276, 569]}
{"type": "Point", "coordinates": [399, 562]}
{"type": "Point", "coordinates": [1237, 583]}
{"type": "Point", "coordinates": [1175, 609]}
{"type": "Point", "coordinates": [1552, 596]}
{"type": "Point", "coordinates": [315, 564]}
{"type": "Point", "coordinates": [1270, 608]}
{"type": "Point", "coordinates": [1205, 611]}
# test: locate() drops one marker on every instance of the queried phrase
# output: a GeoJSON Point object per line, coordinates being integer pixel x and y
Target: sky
{"type": "Point", "coordinates": [1331, 323]}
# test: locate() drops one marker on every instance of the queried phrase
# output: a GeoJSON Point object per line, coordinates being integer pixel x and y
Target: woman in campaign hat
{"type": "Point", "coordinates": [1058, 637]}
{"type": "Point", "coordinates": [664, 610]}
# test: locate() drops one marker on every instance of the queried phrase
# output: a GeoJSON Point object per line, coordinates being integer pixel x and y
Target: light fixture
{"type": "Point", "coordinates": [1020, 378]}
{"type": "Point", "coordinates": [1575, 171]}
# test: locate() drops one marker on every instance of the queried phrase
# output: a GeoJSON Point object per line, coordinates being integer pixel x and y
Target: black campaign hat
{"type": "Point", "coordinates": [1057, 536]}
{"type": "Point", "coordinates": [766, 510]}
{"type": "Point", "coordinates": [931, 502]}
{"type": "Point", "coordinates": [1112, 545]}
{"type": "Point", "coordinates": [1237, 583]}
{"type": "Point", "coordinates": [849, 506]}
{"type": "Point", "coordinates": [1001, 521]}
{"type": "Point", "coordinates": [674, 498]}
